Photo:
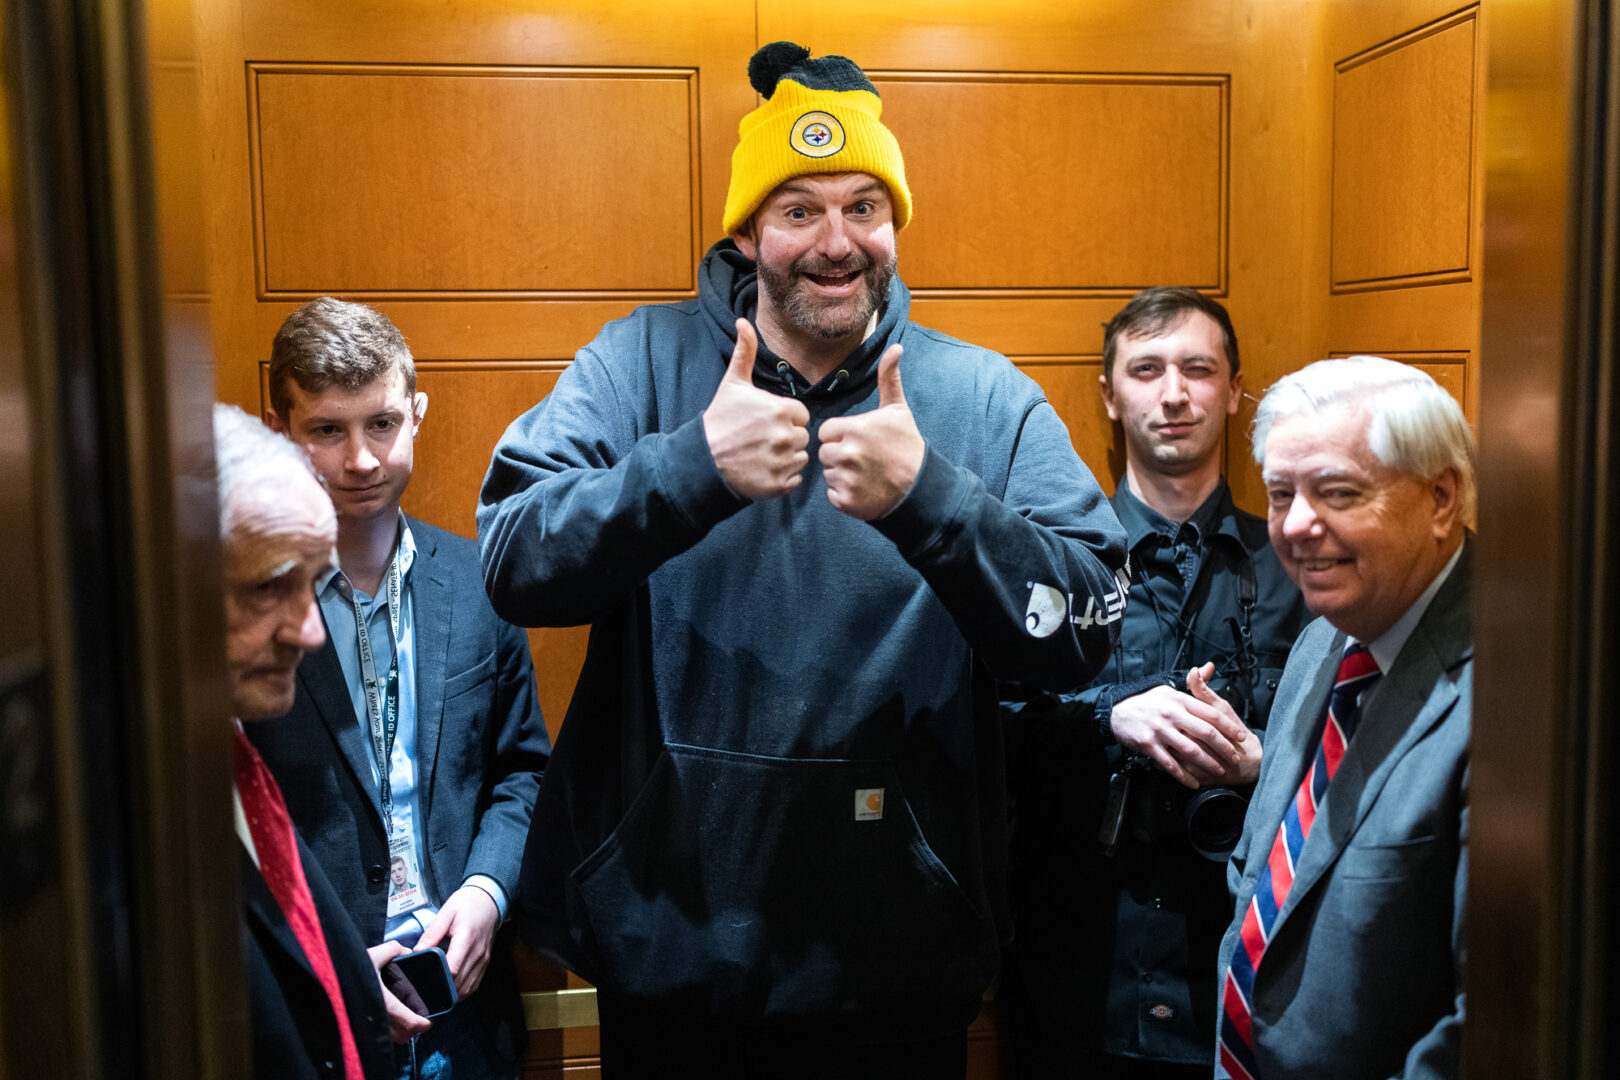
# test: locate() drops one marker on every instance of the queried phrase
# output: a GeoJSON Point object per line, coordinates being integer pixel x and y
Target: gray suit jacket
{"type": "Point", "coordinates": [480, 747]}
{"type": "Point", "coordinates": [1363, 977]}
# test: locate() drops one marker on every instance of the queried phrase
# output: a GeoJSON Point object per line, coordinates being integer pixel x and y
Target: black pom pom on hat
{"type": "Point", "coordinates": [821, 115]}
{"type": "Point", "coordinates": [781, 59]}
{"type": "Point", "coordinates": [770, 63]}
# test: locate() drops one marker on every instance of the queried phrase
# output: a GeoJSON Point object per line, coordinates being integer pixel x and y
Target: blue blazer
{"type": "Point", "coordinates": [1363, 978]}
{"type": "Point", "coordinates": [295, 1036]}
{"type": "Point", "coordinates": [481, 746]}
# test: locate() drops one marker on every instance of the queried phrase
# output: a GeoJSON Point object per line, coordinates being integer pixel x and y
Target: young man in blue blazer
{"type": "Point", "coordinates": [415, 734]}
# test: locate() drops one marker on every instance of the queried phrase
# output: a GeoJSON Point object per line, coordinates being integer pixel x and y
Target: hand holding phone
{"type": "Point", "coordinates": [421, 981]}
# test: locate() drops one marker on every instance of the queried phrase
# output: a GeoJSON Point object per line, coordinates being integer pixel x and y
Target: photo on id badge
{"type": "Point", "coordinates": [404, 882]}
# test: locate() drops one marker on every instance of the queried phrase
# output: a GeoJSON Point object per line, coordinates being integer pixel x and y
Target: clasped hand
{"type": "Point", "coordinates": [1196, 737]}
{"type": "Point", "coordinates": [760, 440]}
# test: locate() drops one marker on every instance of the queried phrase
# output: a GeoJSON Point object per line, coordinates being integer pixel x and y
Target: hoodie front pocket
{"type": "Point", "coordinates": [749, 886]}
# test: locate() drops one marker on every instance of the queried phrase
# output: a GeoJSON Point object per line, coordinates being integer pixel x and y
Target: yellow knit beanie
{"type": "Point", "coordinates": [819, 116]}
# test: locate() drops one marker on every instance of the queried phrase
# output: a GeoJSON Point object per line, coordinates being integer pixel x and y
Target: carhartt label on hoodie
{"type": "Point", "coordinates": [869, 804]}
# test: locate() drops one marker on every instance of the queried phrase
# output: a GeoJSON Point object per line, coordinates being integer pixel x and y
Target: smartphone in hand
{"type": "Point", "coordinates": [421, 980]}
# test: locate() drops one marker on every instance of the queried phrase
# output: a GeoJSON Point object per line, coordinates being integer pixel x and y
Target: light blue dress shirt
{"type": "Point", "coordinates": [338, 608]}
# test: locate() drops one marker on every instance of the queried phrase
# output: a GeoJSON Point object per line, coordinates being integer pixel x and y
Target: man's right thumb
{"type": "Point", "coordinates": [742, 357]}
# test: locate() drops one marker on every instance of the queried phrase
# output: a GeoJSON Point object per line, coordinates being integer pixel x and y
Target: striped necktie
{"type": "Point", "coordinates": [1357, 672]}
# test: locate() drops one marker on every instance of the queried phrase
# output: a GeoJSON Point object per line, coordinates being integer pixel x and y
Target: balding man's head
{"type": "Point", "coordinates": [277, 534]}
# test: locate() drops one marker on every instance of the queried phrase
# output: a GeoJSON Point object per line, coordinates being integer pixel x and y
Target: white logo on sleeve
{"type": "Point", "coordinates": [1049, 605]}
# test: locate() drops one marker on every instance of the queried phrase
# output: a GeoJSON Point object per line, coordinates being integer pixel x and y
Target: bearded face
{"type": "Point", "coordinates": [824, 246]}
{"type": "Point", "coordinates": [829, 299]}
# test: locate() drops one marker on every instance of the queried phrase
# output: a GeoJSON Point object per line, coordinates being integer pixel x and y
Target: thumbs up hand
{"type": "Point", "coordinates": [871, 460]}
{"type": "Point", "coordinates": [758, 439]}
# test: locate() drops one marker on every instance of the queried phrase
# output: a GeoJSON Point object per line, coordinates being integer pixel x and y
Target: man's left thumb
{"type": "Point", "coordinates": [889, 390]}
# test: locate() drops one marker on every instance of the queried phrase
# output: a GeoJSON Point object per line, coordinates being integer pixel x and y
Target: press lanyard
{"type": "Point", "coordinates": [383, 710]}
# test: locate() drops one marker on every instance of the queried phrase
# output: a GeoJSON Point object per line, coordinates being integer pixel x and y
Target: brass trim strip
{"type": "Point", "coordinates": [552, 1010]}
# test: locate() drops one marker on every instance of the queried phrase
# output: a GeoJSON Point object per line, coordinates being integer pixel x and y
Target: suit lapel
{"type": "Point", "coordinates": [1414, 696]}
{"type": "Point", "coordinates": [322, 677]}
{"type": "Point", "coordinates": [260, 908]}
{"type": "Point", "coordinates": [1293, 746]}
{"type": "Point", "coordinates": [430, 599]}
{"type": "Point", "coordinates": [1395, 715]}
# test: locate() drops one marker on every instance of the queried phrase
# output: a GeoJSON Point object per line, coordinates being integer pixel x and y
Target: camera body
{"type": "Point", "coordinates": [1157, 809]}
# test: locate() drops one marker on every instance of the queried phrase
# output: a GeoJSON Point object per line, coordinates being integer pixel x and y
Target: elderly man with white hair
{"type": "Point", "coordinates": [1345, 955]}
{"type": "Point", "coordinates": [313, 993]}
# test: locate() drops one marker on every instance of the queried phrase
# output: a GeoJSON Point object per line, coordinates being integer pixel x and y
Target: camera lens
{"type": "Point", "coordinates": [1215, 821]}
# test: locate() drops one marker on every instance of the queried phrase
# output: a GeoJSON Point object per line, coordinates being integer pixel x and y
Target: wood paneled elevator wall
{"type": "Point", "coordinates": [502, 177]}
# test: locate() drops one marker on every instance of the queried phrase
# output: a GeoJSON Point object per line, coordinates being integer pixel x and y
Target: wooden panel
{"type": "Point", "coordinates": [567, 1054]}
{"type": "Point", "coordinates": [1449, 368]}
{"type": "Point", "coordinates": [625, 33]}
{"type": "Point", "coordinates": [989, 1051]}
{"type": "Point", "coordinates": [1452, 377]}
{"type": "Point", "coordinates": [559, 1009]}
{"type": "Point", "coordinates": [1097, 155]}
{"type": "Point", "coordinates": [390, 180]}
{"type": "Point", "coordinates": [1408, 320]}
{"type": "Point", "coordinates": [714, 36]}
{"type": "Point", "coordinates": [1018, 35]}
{"type": "Point", "coordinates": [559, 657]}
{"type": "Point", "coordinates": [711, 38]}
{"type": "Point", "coordinates": [1071, 386]}
{"type": "Point", "coordinates": [481, 330]}
{"type": "Point", "coordinates": [1403, 125]}
{"type": "Point", "coordinates": [1281, 158]}
{"type": "Point", "coordinates": [177, 147]}
{"type": "Point", "coordinates": [1034, 327]}
{"type": "Point", "coordinates": [469, 408]}
{"type": "Point", "coordinates": [1357, 26]}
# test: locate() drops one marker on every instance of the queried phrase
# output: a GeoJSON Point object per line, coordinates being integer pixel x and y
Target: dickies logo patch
{"type": "Point", "coordinates": [869, 804]}
{"type": "Point", "coordinates": [817, 135]}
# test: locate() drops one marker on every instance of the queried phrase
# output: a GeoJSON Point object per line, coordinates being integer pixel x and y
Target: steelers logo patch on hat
{"type": "Point", "coordinates": [817, 135]}
{"type": "Point", "coordinates": [828, 114]}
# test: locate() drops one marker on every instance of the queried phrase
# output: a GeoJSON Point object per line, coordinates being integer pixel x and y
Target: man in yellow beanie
{"type": "Point", "coordinates": [772, 833]}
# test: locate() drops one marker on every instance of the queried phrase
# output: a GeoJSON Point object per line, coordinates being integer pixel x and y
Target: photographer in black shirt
{"type": "Point", "coordinates": [1129, 795]}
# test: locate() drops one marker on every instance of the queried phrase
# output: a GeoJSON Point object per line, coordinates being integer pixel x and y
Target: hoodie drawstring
{"type": "Point", "coordinates": [783, 369]}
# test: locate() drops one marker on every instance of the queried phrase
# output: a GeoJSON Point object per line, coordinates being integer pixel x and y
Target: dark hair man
{"type": "Point", "coordinates": [399, 877]}
{"type": "Point", "coordinates": [773, 834]}
{"type": "Point", "coordinates": [1130, 793]}
{"type": "Point", "coordinates": [1344, 956]}
{"type": "Point", "coordinates": [415, 734]}
{"type": "Point", "coordinates": [313, 996]}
